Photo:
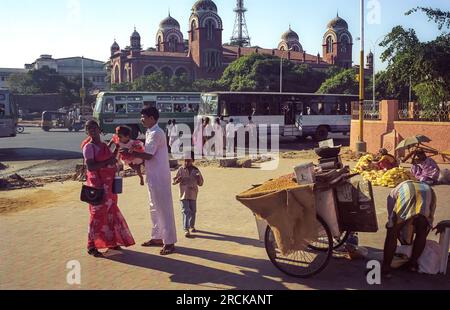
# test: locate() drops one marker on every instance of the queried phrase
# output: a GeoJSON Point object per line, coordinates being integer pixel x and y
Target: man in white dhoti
{"type": "Point", "coordinates": [159, 184]}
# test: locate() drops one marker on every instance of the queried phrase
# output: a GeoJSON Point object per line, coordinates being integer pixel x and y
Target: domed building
{"type": "Point", "coordinates": [204, 56]}
{"type": "Point", "coordinates": [290, 41]}
{"type": "Point", "coordinates": [338, 43]}
{"type": "Point", "coordinates": [169, 38]}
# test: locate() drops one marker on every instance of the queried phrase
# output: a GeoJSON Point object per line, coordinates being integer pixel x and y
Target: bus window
{"type": "Point", "coordinates": [165, 107]}
{"type": "Point", "coordinates": [178, 108]}
{"type": "Point", "coordinates": [134, 107]}
{"type": "Point", "coordinates": [121, 108]}
{"type": "Point", "coordinates": [2, 109]}
{"type": "Point", "coordinates": [149, 104]}
{"type": "Point", "coordinates": [192, 108]}
{"type": "Point", "coordinates": [109, 106]}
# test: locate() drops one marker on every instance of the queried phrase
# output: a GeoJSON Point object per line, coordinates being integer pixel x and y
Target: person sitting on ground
{"type": "Point", "coordinates": [411, 207]}
{"type": "Point", "coordinates": [190, 178]}
{"type": "Point", "coordinates": [386, 161]}
{"type": "Point", "coordinates": [122, 140]}
{"type": "Point", "coordinates": [425, 169]}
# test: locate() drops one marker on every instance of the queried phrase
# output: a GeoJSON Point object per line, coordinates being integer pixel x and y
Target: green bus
{"type": "Point", "coordinates": [8, 114]}
{"type": "Point", "coordinates": [113, 109]}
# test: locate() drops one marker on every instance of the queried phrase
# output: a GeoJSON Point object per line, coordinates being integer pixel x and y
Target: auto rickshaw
{"type": "Point", "coordinates": [59, 120]}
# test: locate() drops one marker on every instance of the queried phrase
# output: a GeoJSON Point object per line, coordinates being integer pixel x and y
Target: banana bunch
{"type": "Point", "coordinates": [373, 176]}
{"type": "Point", "coordinates": [394, 177]}
{"type": "Point", "coordinates": [363, 164]}
{"type": "Point", "coordinates": [390, 178]}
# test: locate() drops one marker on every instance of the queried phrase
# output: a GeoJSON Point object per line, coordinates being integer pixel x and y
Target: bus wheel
{"type": "Point", "coordinates": [45, 128]}
{"type": "Point", "coordinates": [134, 132]}
{"type": "Point", "coordinates": [70, 129]}
{"type": "Point", "coordinates": [321, 133]}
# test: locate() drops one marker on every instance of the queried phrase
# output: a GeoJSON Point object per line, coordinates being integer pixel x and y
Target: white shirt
{"type": "Point", "coordinates": [231, 130]}
{"type": "Point", "coordinates": [208, 131]}
{"type": "Point", "coordinates": [158, 168]}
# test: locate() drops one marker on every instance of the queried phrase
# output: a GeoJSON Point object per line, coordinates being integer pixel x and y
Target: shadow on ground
{"type": "Point", "coordinates": [16, 154]}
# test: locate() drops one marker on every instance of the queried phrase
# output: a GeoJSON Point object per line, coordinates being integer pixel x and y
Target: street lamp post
{"type": "Point", "coordinates": [361, 146]}
{"type": "Point", "coordinates": [374, 46]}
{"type": "Point", "coordinates": [281, 71]}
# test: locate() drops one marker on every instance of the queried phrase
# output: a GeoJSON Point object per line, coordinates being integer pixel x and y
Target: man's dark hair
{"type": "Point", "coordinates": [231, 120]}
{"type": "Point", "coordinates": [151, 112]}
{"type": "Point", "coordinates": [250, 118]}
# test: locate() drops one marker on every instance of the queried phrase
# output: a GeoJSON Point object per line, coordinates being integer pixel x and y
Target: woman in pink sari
{"type": "Point", "coordinates": [107, 227]}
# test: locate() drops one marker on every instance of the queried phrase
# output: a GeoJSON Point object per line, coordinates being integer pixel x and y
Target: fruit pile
{"type": "Point", "coordinates": [390, 178]}
{"type": "Point", "coordinates": [363, 164]}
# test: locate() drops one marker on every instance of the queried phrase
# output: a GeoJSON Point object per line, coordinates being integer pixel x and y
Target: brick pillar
{"type": "Point", "coordinates": [389, 113]}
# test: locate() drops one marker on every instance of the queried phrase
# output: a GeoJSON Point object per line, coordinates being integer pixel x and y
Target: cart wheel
{"type": "Point", "coordinates": [337, 242]}
{"type": "Point", "coordinates": [308, 262]}
{"type": "Point", "coordinates": [341, 240]}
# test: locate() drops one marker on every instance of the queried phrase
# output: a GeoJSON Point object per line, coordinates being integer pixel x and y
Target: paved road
{"type": "Point", "coordinates": [36, 144]}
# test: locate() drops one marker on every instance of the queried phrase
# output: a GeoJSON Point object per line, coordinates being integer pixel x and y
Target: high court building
{"type": "Point", "coordinates": [202, 55]}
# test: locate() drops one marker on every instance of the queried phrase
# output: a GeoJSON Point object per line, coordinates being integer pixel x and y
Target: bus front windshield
{"type": "Point", "coordinates": [209, 105]}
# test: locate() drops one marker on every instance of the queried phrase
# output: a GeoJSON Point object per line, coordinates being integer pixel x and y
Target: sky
{"type": "Point", "coordinates": [66, 28]}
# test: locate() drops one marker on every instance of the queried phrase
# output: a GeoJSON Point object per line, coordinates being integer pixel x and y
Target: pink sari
{"type": "Point", "coordinates": [107, 226]}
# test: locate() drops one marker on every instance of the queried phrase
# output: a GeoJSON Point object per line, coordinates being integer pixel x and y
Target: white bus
{"type": "Point", "coordinates": [8, 115]}
{"type": "Point", "coordinates": [298, 115]}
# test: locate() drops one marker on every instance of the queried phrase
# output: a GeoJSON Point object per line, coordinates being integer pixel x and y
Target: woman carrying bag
{"type": "Point", "coordinates": [107, 227]}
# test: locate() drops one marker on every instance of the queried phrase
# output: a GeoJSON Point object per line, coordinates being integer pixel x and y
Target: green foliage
{"type": "Point", "coordinates": [258, 72]}
{"type": "Point", "coordinates": [47, 81]}
{"type": "Point", "coordinates": [425, 64]}
{"type": "Point", "coordinates": [439, 17]}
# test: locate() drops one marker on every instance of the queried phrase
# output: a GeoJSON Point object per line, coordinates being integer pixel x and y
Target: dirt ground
{"type": "Point", "coordinates": [42, 229]}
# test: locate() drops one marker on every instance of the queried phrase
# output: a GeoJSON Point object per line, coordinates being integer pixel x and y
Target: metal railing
{"type": "Point", "coordinates": [412, 111]}
{"type": "Point", "coordinates": [372, 110]}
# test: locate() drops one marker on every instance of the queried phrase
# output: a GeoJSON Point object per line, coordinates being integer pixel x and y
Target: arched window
{"type": "Point", "coordinates": [167, 72]}
{"type": "Point", "coordinates": [295, 48]}
{"type": "Point", "coordinates": [181, 72]}
{"type": "Point", "coordinates": [116, 74]}
{"type": "Point", "coordinates": [330, 44]}
{"type": "Point", "coordinates": [159, 43]}
{"type": "Point", "coordinates": [149, 70]}
{"type": "Point", "coordinates": [210, 27]}
{"type": "Point", "coordinates": [173, 42]}
{"type": "Point", "coordinates": [193, 26]}
{"type": "Point", "coordinates": [345, 40]}
{"type": "Point", "coordinates": [282, 48]}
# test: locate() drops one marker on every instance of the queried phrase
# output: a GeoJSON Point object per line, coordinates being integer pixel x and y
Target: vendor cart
{"type": "Point", "coordinates": [341, 208]}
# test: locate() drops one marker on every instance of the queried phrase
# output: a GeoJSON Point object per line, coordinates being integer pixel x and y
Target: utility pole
{"type": "Point", "coordinates": [361, 146]}
{"type": "Point", "coordinates": [240, 35]}
{"type": "Point", "coordinates": [82, 90]}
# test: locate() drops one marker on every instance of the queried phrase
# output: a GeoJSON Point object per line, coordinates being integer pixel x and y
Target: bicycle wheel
{"type": "Point", "coordinates": [305, 263]}
{"type": "Point", "coordinates": [20, 129]}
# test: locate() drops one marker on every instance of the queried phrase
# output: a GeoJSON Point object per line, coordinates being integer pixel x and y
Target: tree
{"type": "Point", "coordinates": [21, 84]}
{"type": "Point", "coordinates": [439, 17]}
{"type": "Point", "coordinates": [342, 83]}
{"type": "Point", "coordinates": [258, 72]}
{"type": "Point", "coordinates": [410, 60]}
{"type": "Point", "coordinates": [433, 95]}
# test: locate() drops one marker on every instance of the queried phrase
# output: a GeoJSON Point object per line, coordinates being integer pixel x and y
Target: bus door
{"type": "Point", "coordinates": [7, 123]}
{"type": "Point", "coordinates": [287, 108]}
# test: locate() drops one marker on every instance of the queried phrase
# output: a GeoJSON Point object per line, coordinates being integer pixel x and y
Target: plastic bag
{"type": "Point", "coordinates": [444, 177]}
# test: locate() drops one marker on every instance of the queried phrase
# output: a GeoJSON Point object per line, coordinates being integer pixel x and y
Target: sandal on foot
{"type": "Point", "coordinates": [117, 248]}
{"type": "Point", "coordinates": [167, 250]}
{"type": "Point", "coordinates": [153, 243]}
{"type": "Point", "coordinates": [94, 252]}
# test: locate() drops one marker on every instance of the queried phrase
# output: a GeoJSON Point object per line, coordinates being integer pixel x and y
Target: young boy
{"type": "Point", "coordinates": [190, 178]}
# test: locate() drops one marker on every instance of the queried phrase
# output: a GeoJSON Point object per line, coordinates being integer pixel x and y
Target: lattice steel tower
{"type": "Point", "coordinates": [240, 32]}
